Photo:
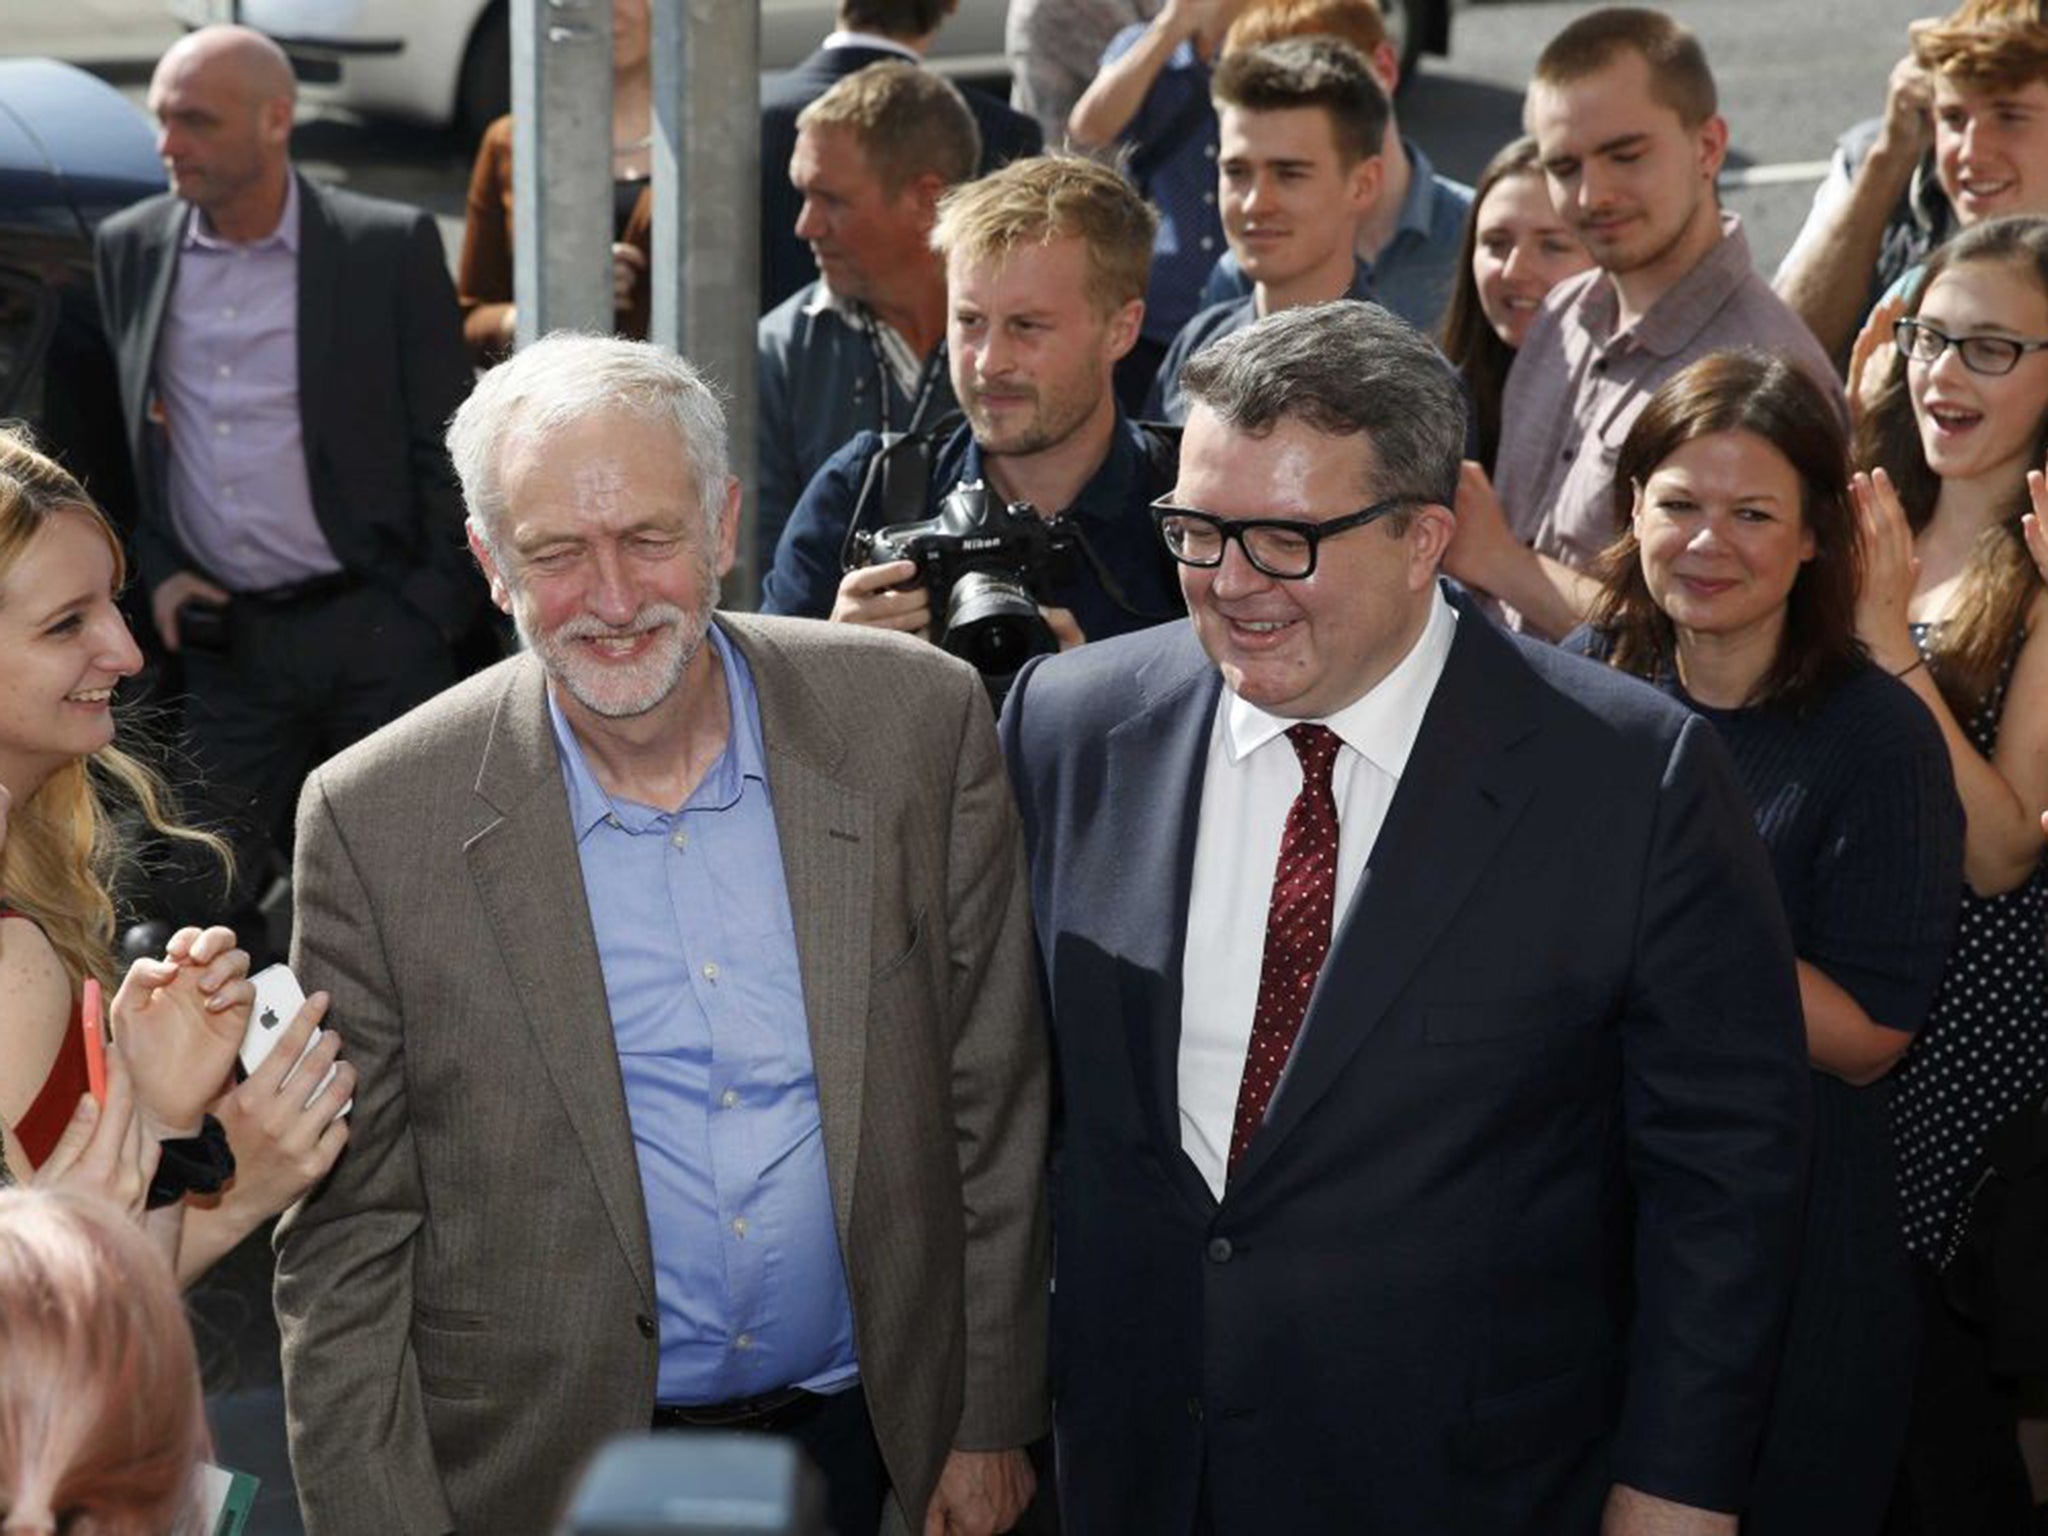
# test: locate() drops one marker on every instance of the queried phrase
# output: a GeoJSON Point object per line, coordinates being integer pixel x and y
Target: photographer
{"type": "Point", "coordinates": [1046, 262]}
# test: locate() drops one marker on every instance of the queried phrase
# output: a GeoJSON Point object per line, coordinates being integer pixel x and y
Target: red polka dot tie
{"type": "Point", "coordinates": [1297, 929]}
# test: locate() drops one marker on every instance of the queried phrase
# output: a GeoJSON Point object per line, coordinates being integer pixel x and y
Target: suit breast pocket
{"type": "Point", "coordinates": [1534, 1019]}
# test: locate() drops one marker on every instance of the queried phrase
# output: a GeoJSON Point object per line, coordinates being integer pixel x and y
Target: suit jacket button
{"type": "Point", "coordinates": [645, 1324]}
{"type": "Point", "coordinates": [1220, 1250]}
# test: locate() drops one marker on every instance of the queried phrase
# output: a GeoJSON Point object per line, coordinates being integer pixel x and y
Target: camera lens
{"type": "Point", "coordinates": [993, 623]}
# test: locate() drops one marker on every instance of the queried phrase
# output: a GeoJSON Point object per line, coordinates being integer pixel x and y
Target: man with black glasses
{"type": "Point", "coordinates": [1426, 1165]}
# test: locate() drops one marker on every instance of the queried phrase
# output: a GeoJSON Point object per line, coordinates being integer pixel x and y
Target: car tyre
{"type": "Point", "coordinates": [484, 92]}
{"type": "Point", "coordinates": [1411, 24]}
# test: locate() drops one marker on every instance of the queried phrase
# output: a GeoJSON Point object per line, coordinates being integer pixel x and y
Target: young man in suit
{"type": "Point", "coordinates": [1425, 1166]}
{"type": "Point", "coordinates": [288, 356]}
{"type": "Point", "coordinates": [686, 963]}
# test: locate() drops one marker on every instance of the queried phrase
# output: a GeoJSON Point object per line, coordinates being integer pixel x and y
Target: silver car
{"type": "Point", "coordinates": [447, 62]}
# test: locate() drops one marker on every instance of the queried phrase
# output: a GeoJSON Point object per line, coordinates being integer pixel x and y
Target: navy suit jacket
{"type": "Point", "coordinates": [1523, 1217]}
{"type": "Point", "coordinates": [381, 369]}
{"type": "Point", "coordinates": [786, 265]}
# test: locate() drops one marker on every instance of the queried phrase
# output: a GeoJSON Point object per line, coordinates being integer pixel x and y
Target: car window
{"type": "Point", "coordinates": [28, 313]}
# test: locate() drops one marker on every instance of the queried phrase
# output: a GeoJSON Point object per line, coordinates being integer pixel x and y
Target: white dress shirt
{"type": "Point", "coordinates": [1251, 781]}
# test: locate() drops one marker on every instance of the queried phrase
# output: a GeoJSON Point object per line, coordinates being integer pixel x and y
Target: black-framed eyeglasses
{"type": "Point", "coordinates": [1991, 355]}
{"type": "Point", "coordinates": [1281, 547]}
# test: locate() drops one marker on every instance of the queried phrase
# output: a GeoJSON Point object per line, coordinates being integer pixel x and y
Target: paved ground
{"type": "Point", "coordinates": [120, 38]}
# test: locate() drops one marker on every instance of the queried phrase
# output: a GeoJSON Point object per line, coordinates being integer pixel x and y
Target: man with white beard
{"type": "Point", "coordinates": [687, 966]}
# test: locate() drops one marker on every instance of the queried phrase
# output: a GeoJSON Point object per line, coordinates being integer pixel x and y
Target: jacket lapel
{"type": "Point", "coordinates": [824, 823]}
{"type": "Point", "coordinates": [529, 879]}
{"type": "Point", "coordinates": [319, 304]}
{"type": "Point", "coordinates": [160, 271]}
{"type": "Point", "coordinates": [1156, 760]}
{"type": "Point", "coordinates": [1459, 797]}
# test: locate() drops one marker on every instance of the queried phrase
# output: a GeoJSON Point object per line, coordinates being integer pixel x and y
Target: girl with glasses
{"type": "Point", "coordinates": [1952, 602]}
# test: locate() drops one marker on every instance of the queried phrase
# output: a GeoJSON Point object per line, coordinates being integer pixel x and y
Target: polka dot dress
{"type": "Point", "coordinates": [1983, 1052]}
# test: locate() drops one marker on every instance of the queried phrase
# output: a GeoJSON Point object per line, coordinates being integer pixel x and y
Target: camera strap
{"type": "Point", "coordinates": [898, 475]}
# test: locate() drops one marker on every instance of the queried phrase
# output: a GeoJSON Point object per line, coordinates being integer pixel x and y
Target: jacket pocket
{"type": "Point", "coordinates": [1536, 1422]}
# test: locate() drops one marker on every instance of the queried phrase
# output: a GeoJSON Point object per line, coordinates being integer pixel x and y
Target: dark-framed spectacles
{"type": "Point", "coordinates": [1991, 355]}
{"type": "Point", "coordinates": [1283, 548]}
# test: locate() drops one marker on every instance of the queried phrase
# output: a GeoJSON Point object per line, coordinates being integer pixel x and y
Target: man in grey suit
{"type": "Point", "coordinates": [687, 966]}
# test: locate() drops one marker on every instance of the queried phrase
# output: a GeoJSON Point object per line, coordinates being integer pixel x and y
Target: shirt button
{"type": "Point", "coordinates": [710, 971]}
{"type": "Point", "coordinates": [1220, 1250]}
{"type": "Point", "coordinates": [228, 313]}
{"type": "Point", "coordinates": [739, 1226]}
{"type": "Point", "coordinates": [1208, 244]}
{"type": "Point", "coordinates": [645, 1324]}
{"type": "Point", "coordinates": [221, 429]}
{"type": "Point", "coordinates": [680, 838]}
{"type": "Point", "coordinates": [744, 1341]}
{"type": "Point", "coordinates": [1208, 151]}
{"type": "Point", "coordinates": [729, 1099]}
{"type": "Point", "coordinates": [1209, 198]}
{"type": "Point", "coordinates": [224, 371]}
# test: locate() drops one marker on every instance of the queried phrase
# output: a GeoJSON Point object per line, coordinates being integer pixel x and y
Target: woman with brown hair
{"type": "Point", "coordinates": [101, 1427]}
{"type": "Point", "coordinates": [1953, 445]}
{"type": "Point", "coordinates": [1516, 250]}
{"type": "Point", "coordinates": [483, 274]}
{"type": "Point", "coordinates": [64, 649]}
{"type": "Point", "coordinates": [1733, 587]}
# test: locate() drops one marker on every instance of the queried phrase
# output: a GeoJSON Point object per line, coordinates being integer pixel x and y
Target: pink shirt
{"type": "Point", "coordinates": [1577, 386]}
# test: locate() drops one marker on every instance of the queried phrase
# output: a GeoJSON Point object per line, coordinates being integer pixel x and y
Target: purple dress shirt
{"type": "Point", "coordinates": [227, 381]}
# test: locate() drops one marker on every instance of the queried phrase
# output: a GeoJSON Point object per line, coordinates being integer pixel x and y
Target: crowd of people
{"type": "Point", "coordinates": [1487, 971]}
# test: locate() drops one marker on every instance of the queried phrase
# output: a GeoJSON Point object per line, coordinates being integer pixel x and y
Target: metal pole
{"type": "Point", "coordinates": [707, 218]}
{"type": "Point", "coordinates": [562, 166]}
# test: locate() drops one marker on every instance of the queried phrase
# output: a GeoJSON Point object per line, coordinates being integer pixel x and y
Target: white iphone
{"type": "Point", "coordinates": [279, 997]}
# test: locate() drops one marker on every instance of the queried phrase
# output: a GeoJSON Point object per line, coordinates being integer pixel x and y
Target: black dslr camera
{"type": "Point", "coordinates": [987, 565]}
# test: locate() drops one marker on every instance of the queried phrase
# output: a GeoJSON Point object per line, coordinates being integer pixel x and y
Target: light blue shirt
{"type": "Point", "coordinates": [693, 927]}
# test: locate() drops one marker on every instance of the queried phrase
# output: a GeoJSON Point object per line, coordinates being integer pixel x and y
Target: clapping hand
{"type": "Point", "coordinates": [1481, 542]}
{"type": "Point", "coordinates": [1890, 569]}
{"type": "Point", "coordinates": [2034, 525]}
{"type": "Point", "coordinates": [178, 1022]}
{"type": "Point", "coordinates": [103, 1151]}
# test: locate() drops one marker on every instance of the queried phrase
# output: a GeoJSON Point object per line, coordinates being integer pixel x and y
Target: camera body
{"type": "Point", "coordinates": [987, 565]}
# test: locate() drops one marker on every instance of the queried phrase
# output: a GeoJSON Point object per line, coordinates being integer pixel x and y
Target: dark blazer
{"type": "Point", "coordinates": [381, 369]}
{"type": "Point", "coordinates": [786, 263]}
{"type": "Point", "coordinates": [1554, 1063]}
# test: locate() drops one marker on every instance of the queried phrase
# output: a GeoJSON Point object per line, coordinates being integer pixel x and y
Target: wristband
{"type": "Point", "coordinates": [192, 1165]}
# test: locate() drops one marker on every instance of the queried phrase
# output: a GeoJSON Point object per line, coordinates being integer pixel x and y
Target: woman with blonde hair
{"type": "Point", "coordinates": [64, 648]}
{"type": "Point", "coordinates": [101, 1426]}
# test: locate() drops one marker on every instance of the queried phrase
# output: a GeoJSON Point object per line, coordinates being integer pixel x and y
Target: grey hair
{"type": "Point", "coordinates": [1343, 369]}
{"type": "Point", "coordinates": [565, 378]}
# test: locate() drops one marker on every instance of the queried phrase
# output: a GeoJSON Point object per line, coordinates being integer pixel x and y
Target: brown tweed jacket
{"type": "Point", "coordinates": [467, 1303]}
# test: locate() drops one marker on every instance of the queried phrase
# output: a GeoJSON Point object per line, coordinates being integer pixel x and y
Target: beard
{"type": "Point", "coordinates": [621, 691]}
